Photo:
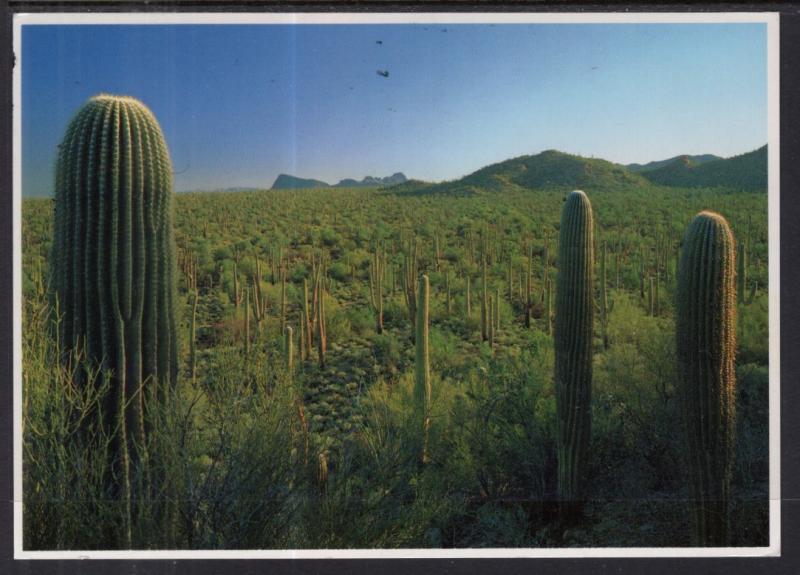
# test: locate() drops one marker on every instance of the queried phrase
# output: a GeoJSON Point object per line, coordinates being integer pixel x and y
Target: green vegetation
{"type": "Point", "coordinates": [265, 448]}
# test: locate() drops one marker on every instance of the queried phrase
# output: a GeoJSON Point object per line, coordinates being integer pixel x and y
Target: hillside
{"type": "Point", "coordinates": [744, 172]}
{"type": "Point", "coordinates": [695, 160]}
{"type": "Point", "coordinates": [550, 170]}
{"type": "Point", "coordinates": [287, 182]}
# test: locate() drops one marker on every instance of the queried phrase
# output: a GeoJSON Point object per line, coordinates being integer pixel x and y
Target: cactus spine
{"type": "Point", "coordinates": [113, 265]}
{"type": "Point", "coordinates": [573, 348]}
{"type": "Point", "coordinates": [422, 388]}
{"type": "Point", "coordinates": [706, 345]}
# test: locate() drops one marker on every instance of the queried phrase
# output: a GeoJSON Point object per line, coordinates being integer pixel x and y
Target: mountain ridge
{"type": "Point", "coordinates": [286, 182]}
{"type": "Point", "coordinates": [555, 170]}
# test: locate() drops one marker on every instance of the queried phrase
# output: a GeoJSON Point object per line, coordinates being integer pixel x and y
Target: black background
{"type": "Point", "coordinates": [788, 563]}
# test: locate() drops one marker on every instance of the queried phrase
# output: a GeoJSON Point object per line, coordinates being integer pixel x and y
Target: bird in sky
{"type": "Point", "coordinates": [384, 73]}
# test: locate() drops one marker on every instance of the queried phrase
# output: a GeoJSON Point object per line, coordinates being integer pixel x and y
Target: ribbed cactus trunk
{"type": "Point", "coordinates": [113, 265]}
{"type": "Point", "coordinates": [422, 387]}
{"type": "Point", "coordinates": [573, 334]}
{"type": "Point", "coordinates": [706, 345]}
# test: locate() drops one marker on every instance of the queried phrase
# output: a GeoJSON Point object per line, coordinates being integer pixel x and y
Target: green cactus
{"type": "Point", "coordinates": [741, 272]}
{"type": "Point", "coordinates": [484, 305]}
{"type": "Point", "coordinates": [548, 307]}
{"type": "Point", "coordinates": [288, 347]}
{"type": "Point", "coordinates": [574, 324]}
{"type": "Point", "coordinates": [321, 336]}
{"type": "Point", "coordinates": [283, 298]}
{"type": "Point", "coordinates": [247, 321]}
{"type": "Point", "coordinates": [706, 345]}
{"type": "Point", "coordinates": [409, 277]}
{"type": "Point", "coordinates": [193, 339]}
{"type": "Point", "coordinates": [448, 296]}
{"type": "Point", "coordinates": [307, 324]}
{"type": "Point", "coordinates": [422, 387]}
{"type": "Point", "coordinates": [605, 308]}
{"type": "Point", "coordinates": [376, 273]}
{"type": "Point", "coordinates": [468, 298]}
{"type": "Point", "coordinates": [113, 263]}
{"type": "Point", "coordinates": [235, 286]}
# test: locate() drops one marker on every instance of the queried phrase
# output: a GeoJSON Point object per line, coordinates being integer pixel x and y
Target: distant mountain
{"type": "Point", "coordinates": [694, 160]}
{"type": "Point", "coordinates": [744, 172]}
{"type": "Point", "coordinates": [287, 182]}
{"type": "Point", "coordinates": [372, 182]}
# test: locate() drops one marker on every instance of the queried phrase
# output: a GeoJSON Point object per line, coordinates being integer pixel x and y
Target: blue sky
{"type": "Point", "coordinates": [241, 104]}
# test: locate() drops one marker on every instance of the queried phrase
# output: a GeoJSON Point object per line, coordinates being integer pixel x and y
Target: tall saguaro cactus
{"type": "Point", "coordinates": [376, 273]}
{"type": "Point", "coordinates": [113, 263]}
{"type": "Point", "coordinates": [706, 345]}
{"type": "Point", "coordinates": [573, 333]}
{"type": "Point", "coordinates": [422, 387]}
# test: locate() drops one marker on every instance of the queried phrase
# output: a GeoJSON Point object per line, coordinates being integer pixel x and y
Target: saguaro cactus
{"type": "Point", "coordinates": [706, 345]}
{"type": "Point", "coordinates": [288, 347]}
{"type": "Point", "coordinates": [422, 388]}
{"type": "Point", "coordinates": [741, 273]}
{"type": "Point", "coordinates": [573, 333]}
{"type": "Point", "coordinates": [113, 263]}
{"type": "Point", "coordinates": [376, 273]}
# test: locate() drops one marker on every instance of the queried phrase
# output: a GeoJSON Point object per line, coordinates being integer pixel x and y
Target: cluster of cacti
{"type": "Point", "coordinates": [422, 386]}
{"type": "Point", "coordinates": [113, 265]}
{"type": "Point", "coordinates": [706, 346]}
{"type": "Point", "coordinates": [573, 347]}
